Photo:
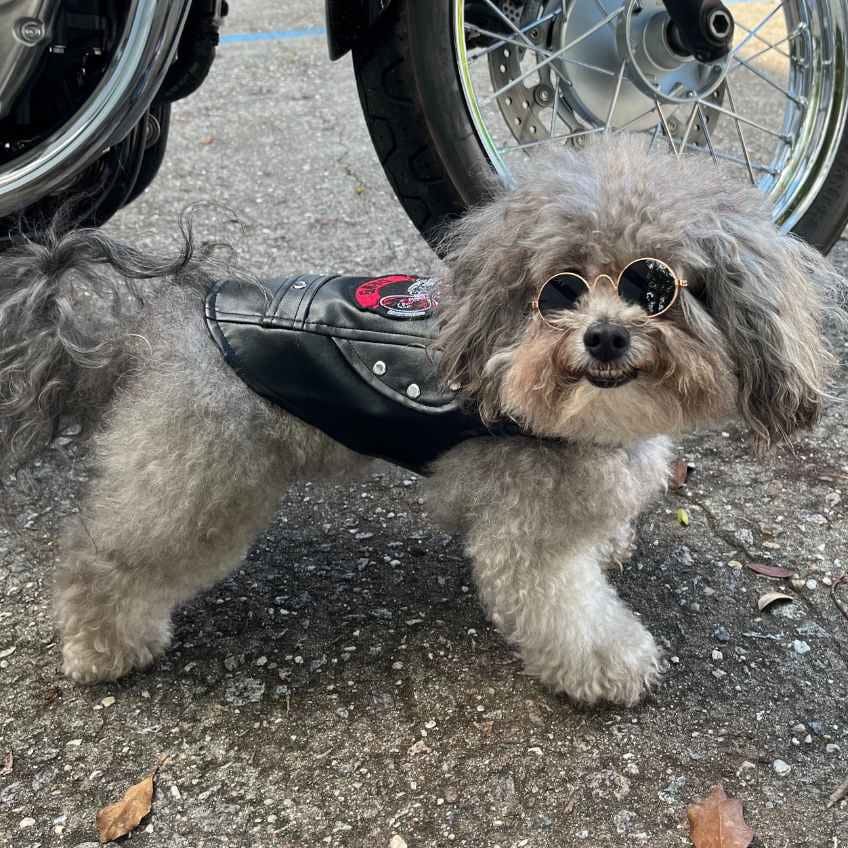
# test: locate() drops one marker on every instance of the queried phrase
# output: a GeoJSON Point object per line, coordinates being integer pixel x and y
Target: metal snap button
{"type": "Point", "coordinates": [413, 391]}
{"type": "Point", "coordinates": [299, 285]}
{"type": "Point", "coordinates": [379, 368]}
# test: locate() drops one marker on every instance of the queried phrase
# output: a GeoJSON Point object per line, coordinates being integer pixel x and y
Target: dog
{"type": "Point", "coordinates": [609, 301]}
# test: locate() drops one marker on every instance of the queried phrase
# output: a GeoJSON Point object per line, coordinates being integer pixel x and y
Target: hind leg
{"type": "Point", "coordinates": [186, 478]}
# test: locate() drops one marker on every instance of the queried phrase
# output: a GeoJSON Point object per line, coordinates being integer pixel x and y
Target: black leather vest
{"type": "Point", "coordinates": [348, 355]}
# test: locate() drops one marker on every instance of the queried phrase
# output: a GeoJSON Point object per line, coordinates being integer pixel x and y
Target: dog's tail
{"type": "Point", "coordinates": [68, 311]}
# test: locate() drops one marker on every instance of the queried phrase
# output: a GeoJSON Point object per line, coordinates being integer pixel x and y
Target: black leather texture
{"type": "Point", "coordinates": [348, 355]}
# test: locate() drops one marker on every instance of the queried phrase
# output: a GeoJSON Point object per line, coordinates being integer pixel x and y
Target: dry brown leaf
{"type": "Point", "coordinates": [717, 822]}
{"type": "Point", "coordinates": [772, 597]}
{"type": "Point", "coordinates": [769, 570]}
{"type": "Point", "coordinates": [838, 794]}
{"type": "Point", "coordinates": [8, 764]}
{"type": "Point", "coordinates": [123, 816]}
{"type": "Point", "coordinates": [679, 473]}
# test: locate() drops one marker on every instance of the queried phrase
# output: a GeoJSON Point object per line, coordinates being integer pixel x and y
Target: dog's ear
{"type": "Point", "coordinates": [768, 293]}
{"type": "Point", "coordinates": [485, 297]}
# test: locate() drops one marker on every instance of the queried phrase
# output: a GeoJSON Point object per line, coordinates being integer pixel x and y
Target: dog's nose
{"type": "Point", "coordinates": [606, 342]}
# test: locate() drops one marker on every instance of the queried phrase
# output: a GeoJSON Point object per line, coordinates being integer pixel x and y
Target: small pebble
{"type": "Point", "coordinates": [718, 656]}
{"type": "Point", "coordinates": [25, 823]}
{"type": "Point", "coordinates": [832, 749]}
{"type": "Point", "coordinates": [721, 633]}
{"type": "Point", "coordinates": [798, 583]}
{"type": "Point", "coordinates": [108, 701]}
{"type": "Point", "coordinates": [811, 584]}
{"type": "Point", "coordinates": [781, 767]}
{"type": "Point", "coordinates": [799, 729]}
{"type": "Point", "coordinates": [800, 647]}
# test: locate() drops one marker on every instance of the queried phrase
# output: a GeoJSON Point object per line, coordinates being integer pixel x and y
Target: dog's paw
{"type": "Point", "coordinates": [93, 657]}
{"type": "Point", "coordinates": [620, 670]}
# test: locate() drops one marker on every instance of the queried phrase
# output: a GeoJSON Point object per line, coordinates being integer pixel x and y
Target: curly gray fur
{"type": "Point", "coordinates": [69, 317]}
{"type": "Point", "coordinates": [768, 293]}
{"type": "Point", "coordinates": [190, 463]}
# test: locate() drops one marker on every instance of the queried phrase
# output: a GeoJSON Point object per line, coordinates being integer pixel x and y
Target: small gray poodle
{"type": "Point", "coordinates": [611, 299]}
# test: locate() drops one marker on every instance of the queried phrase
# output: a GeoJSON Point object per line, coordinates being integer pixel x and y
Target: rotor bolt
{"type": "Point", "coordinates": [543, 95]}
{"type": "Point", "coordinates": [30, 30]}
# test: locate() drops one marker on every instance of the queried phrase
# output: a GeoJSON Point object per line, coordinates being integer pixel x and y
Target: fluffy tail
{"type": "Point", "coordinates": [68, 309]}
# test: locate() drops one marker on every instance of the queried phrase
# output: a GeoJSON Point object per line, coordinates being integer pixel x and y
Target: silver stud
{"type": "Point", "coordinates": [379, 368]}
{"type": "Point", "coordinates": [455, 387]}
{"type": "Point", "coordinates": [413, 391]}
{"type": "Point", "coordinates": [300, 285]}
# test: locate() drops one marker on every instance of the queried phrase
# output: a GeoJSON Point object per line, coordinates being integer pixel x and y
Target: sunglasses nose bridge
{"type": "Point", "coordinates": [610, 281]}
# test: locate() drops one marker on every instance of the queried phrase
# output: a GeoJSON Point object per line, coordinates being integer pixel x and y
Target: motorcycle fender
{"type": "Point", "coordinates": [348, 21]}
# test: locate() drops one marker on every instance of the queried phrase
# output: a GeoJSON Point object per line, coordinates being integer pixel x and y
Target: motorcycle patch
{"type": "Point", "coordinates": [398, 296]}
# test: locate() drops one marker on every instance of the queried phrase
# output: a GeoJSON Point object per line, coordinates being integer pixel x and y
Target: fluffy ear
{"type": "Point", "coordinates": [770, 294]}
{"type": "Point", "coordinates": [485, 296]}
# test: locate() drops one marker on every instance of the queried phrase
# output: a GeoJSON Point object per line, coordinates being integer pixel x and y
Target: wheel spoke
{"type": "Point", "coordinates": [787, 94]}
{"type": "Point", "coordinates": [499, 12]}
{"type": "Point", "coordinates": [502, 39]}
{"type": "Point", "coordinates": [729, 157]}
{"type": "Point", "coordinates": [752, 33]}
{"type": "Point", "coordinates": [739, 132]}
{"type": "Point", "coordinates": [564, 137]}
{"type": "Point", "coordinates": [538, 50]}
{"type": "Point", "coordinates": [665, 127]}
{"type": "Point", "coordinates": [689, 124]}
{"type": "Point", "coordinates": [614, 101]}
{"type": "Point", "coordinates": [553, 56]}
{"type": "Point", "coordinates": [764, 40]}
{"type": "Point", "coordinates": [555, 110]}
{"type": "Point", "coordinates": [707, 138]}
{"type": "Point", "coordinates": [736, 117]}
{"type": "Point", "coordinates": [792, 35]}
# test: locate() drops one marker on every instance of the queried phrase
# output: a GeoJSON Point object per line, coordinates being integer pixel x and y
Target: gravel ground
{"type": "Point", "coordinates": [343, 688]}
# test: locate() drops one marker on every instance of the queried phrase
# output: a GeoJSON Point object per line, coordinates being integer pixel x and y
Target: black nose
{"type": "Point", "coordinates": [606, 342]}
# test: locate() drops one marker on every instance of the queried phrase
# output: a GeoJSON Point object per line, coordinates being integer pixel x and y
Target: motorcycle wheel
{"type": "Point", "coordinates": [453, 90]}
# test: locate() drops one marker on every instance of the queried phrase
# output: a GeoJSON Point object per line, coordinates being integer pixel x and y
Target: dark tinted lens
{"type": "Point", "coordinates": [560, 293]}
{"type": "Point", "coordinates": [648, 283]}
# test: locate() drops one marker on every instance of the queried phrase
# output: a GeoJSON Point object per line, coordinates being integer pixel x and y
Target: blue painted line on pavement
{"type": "Point", "coordinates": [283, 35]}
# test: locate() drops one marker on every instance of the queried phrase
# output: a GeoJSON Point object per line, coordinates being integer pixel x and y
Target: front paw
{"type": "Point", "coordinates": [620, 665]}
{"type": "Point", "coordinates": [99, 656]}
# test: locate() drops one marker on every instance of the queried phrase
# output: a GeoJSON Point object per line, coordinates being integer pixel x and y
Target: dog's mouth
{"type": "Point", "coordinates": [610, 379]}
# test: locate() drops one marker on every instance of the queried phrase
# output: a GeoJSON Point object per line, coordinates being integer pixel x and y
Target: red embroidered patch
{"type": "Point", "coordinates": [398, 296]}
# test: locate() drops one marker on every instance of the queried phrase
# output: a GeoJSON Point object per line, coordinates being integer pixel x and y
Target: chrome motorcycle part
{"type": "Point", "coordinates": [614, 69]}
{"type": "Point", "coordinates": [142, 56]}
{"type": "Point", "coordinates": [772, 113]}
{"type": "Point", "coordinates": [24, 35]}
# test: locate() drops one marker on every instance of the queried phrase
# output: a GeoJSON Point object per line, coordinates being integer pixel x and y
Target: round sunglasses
{"type": "Point", "coordinates": [647, 283]}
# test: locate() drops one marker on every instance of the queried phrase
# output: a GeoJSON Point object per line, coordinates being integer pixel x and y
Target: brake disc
{"type": "Point", "coordinates": [573, 94]}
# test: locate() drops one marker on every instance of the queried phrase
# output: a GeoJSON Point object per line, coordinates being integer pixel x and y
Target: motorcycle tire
{"type": "Point", "coordinates": [419, 122]}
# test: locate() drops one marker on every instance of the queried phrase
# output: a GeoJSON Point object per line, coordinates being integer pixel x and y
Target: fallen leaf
{"type": "Point", "coordinates": [772, 597]}
{"type": "Point", "coordinates": [679, 474]}
{"type": "Point", "coordinates": [683, 517]}
{"type": "Point", "coordinates": [8, 763]}
{"type": "Point", "coordinates": [124, 816]}
{"type": "Point", "coordinates": [838, 794]}
{"type": "Point", "coordinates": [717, 822]}
{"type": "Point", "coordinates": [769, 570]}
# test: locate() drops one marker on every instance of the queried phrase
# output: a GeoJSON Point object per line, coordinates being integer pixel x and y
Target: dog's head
{"type": "Point", "coordinates": [744, 336]}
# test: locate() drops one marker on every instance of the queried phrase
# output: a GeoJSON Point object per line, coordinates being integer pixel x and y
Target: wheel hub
{"type": "Point", "coordinates": [634, 46]}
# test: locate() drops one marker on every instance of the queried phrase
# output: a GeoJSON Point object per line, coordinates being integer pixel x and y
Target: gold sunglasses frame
{"type": "Point", "coordinates": [678, 285]}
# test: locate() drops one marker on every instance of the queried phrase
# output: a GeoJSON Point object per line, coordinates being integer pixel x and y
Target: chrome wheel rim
{"type": "Point", "coordinates": [540, 73]}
